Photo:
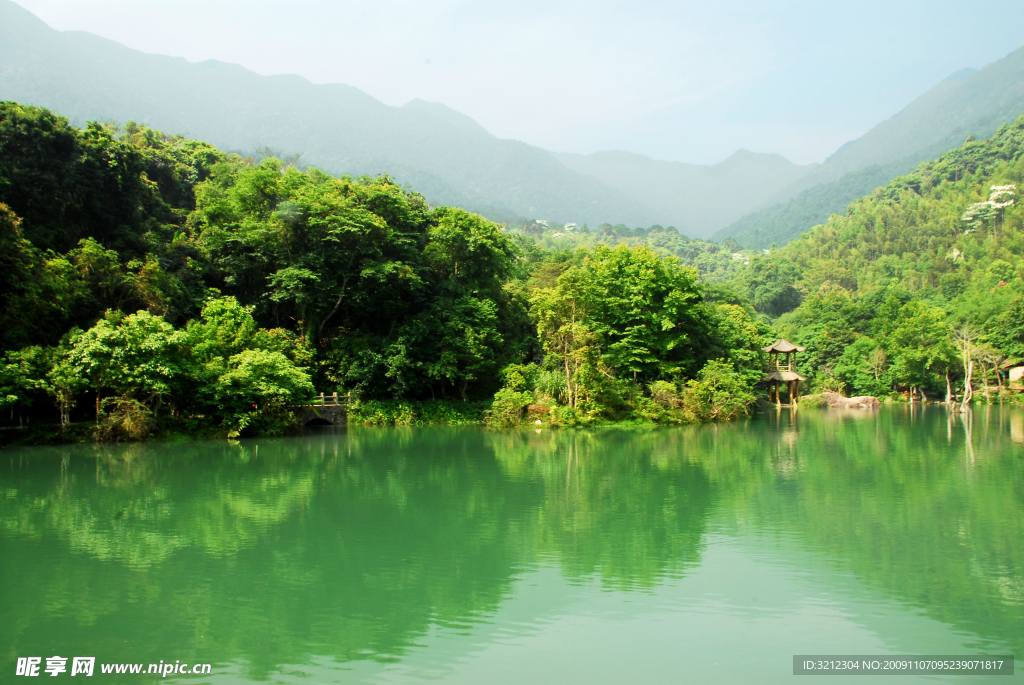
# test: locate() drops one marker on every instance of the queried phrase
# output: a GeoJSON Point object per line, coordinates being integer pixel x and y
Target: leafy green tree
{"type": "Point", "coordinates": [740, 337]}
{"type": "Point", "coordinates": [240, 371]}
{"type": "Point", "coordinates": [64, 379]}
{"type": "Point", "coordinates": [69, 184]}
{"type": "Point", "coordinates": [226, 328]}
{"type": "Point", "coordinates": [571, 346]}
{"type": "Point", "coordinates": [256, 381]}
{"type": "Point", "coordinates": [310, 248]}
{"type": "Point", "coordinates": [826, 324]}
{"type": "Point", "coordinates": [646, 310]}
{"type": "Point", "coordinates": [514, 397]}
{"type": "Point", "coordinates": [718, 392]}
{"type": "Point", "coordinates": [863, 368]}
{"type": "Point", "coordinates": [622, 313]}
{"type": "Point", "coordinates": [771, 285]}
{"type": "Point", "coordinates": [22, 276]}
{"type": "Point", "coordinates": [138, 356]}
{"type": "Point", "coordinates": [470, 259]}
{"type": "Point", "coordinates": [23, 376]}
{"type": "Point", "coordinates": [920, 345]}
{"type": "Point", "coordinates": [1008, 335]}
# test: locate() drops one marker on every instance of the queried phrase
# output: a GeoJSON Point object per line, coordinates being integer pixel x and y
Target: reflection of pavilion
{"type": "Point", "coordinates": [783, 371]}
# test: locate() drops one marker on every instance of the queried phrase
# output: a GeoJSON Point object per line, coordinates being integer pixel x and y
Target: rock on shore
{"type": "Point", "coordinates": [833, 399]}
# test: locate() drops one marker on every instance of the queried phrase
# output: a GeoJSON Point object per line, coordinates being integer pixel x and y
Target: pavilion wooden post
{"type": "Point", "coordinates": [782, 371]}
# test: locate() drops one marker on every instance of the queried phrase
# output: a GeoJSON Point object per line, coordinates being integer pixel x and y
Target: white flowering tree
{"type": "Point", "coordinates": [981, 214]}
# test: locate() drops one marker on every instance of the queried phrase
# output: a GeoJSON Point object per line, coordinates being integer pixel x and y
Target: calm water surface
{"type": "Point", "coordinates": [700, 554]}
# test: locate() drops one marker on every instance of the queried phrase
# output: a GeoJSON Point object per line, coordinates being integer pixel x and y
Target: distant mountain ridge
{"type": "Point", "coordinates": [438, 151]}
{"type": "Point", "coordinates": [434, 149]}
{"type": "Point", "coordinates": [969, 101]}
{"type": "Point", "coordinates": [696, 199]}
{"type": "Point", "coordinates": [451, 159]}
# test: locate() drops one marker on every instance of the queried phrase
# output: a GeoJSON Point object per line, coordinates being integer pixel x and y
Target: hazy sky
{"type": "Point", "coordinates": [681, 81]}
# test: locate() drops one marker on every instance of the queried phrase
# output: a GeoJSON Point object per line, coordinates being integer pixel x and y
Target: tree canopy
{"type": "Point", "coordinates": [169, 279]}
{"type": "Point", "coordinates": [152, 276]}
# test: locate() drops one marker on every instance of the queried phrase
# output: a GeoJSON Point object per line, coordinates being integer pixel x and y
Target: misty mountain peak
{"type": "Point", "coordinates": [444, 113]}
{"type": "Point", "coordinates": [961, 75]}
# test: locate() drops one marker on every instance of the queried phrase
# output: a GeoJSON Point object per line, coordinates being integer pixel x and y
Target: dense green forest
{"type": "Point", "coordinates": [715, 262]}
{"type": "Point", "coordinates": [154, 283]}
{"type": "Point", "coordinates": [916, 285]}
{"type": "Point", "coordinates": [910, 289]}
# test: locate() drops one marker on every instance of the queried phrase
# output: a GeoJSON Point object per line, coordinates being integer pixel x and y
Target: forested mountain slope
{"type": "Point", "coordinates": [781, 223]}
{"type": "Point", "coordinates": [967, 103]}
{"type": "Point", "coordinates": [714, 263]}
{"type": "Point", "coordinates": [894, 291]}
{"type": "Point", "coordinates": [444, 154]}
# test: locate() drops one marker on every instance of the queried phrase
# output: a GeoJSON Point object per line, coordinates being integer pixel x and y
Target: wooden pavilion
{"type": "Point", "coordinates": [783, 371]}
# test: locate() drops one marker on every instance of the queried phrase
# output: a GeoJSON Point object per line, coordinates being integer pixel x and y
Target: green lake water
{"type": "Point", "coordinates": [702, 554]}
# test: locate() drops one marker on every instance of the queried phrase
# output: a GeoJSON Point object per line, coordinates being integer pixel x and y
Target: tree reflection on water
{"type": "Point", "coordinates": [352, 544]}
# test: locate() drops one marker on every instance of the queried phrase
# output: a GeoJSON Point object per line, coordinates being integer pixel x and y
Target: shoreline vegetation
{"type": "Point", "coordinates": [158, 288]}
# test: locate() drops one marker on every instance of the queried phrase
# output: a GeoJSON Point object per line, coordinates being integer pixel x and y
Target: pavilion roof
{"type": "Point", "coordinates": [784, 346]}
{"type": "Point", "coordinates": [784, 376]}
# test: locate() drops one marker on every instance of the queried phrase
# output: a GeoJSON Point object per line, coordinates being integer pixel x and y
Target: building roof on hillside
{"type": "Point", "coordinates": [784, 346]}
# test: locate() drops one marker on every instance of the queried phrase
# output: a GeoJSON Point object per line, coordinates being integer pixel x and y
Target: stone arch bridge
{"type": "Point", "coordinates": [324, 410]}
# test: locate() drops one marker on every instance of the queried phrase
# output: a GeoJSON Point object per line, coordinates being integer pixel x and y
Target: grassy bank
{"type": "Point", "coordinates": [413, 413]}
